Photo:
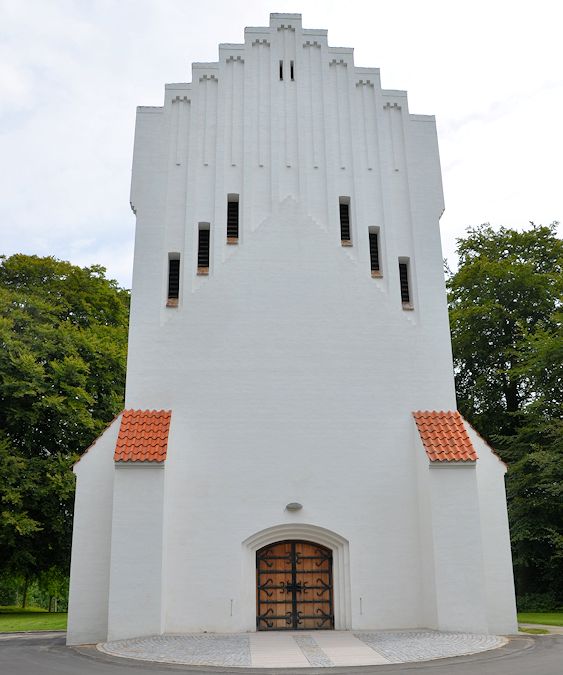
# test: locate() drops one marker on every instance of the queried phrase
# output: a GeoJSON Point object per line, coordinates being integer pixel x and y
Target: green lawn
{"type": "Point", "coordinates": [547, 618]}
{"type": "Point", "coordinates": [15, 619]}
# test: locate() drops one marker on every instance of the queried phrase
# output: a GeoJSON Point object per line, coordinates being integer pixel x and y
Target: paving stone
{"type": "Point", "coordinates": [276, 650]}
{"type": "Point", "coordinates": [344, 649]}
{"type": "Point", "coordinates": [195, 649]}
{"type": "Point", "coordinates": [313, 653]}
{"type": "Point", "coordinates": [323, 650]}
{"type": "Point", "coordinates": [425, 645]}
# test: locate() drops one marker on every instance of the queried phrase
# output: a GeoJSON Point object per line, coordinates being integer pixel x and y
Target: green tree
{"type": "Point", "coordinates": [535, 498]}
{"type": "Point", "coordinates": [504, 300]}
{"type": "Point", "coordinates": [63, 338]}
{"type": "Point", "coordinates": [505, 316]}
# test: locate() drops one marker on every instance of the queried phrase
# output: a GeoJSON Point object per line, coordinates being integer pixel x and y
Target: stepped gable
{"type": "Point", "coordinates": [143, 436]}
{"type": "Point", "coordinates": [444, 436]}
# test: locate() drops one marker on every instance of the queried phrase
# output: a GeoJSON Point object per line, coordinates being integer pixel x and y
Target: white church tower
{"type": "Point", "coordinates": [290, 455]}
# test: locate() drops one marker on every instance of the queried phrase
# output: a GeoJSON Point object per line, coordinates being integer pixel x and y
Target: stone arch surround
{"type": "Point", "coordinates": [305, 531]}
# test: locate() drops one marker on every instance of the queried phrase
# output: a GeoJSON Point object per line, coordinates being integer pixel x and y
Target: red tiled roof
{"type": "Point", "coordinates": [444, 436]}
{"type": "Point", "coordinates": [143, 436]}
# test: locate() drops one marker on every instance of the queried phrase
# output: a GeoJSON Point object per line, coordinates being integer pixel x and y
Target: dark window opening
{"type": "Point", "coordinates": [404, 281]}
{"type": "Point", "coordinates": [232, 221]}
{"type": "Point", "coordinates": [345, 223]}
{"type": "Point", "coordinates": [374, 253]}
{"type": "Point", "coordinates": [281, 70]}
{"type": "Point", "coordinates": [203, 251]}
{"type": "Point", "coordinates": [173, 282]}
{"type": "Point", "coordinates": [291, 71]}
{"type": "Point", "coordinates": [173, 278]}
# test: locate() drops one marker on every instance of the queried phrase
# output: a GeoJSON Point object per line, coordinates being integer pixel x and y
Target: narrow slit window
{"type": "Point", "coordinates": [405, 284]}
{"type": "Point", "coordinates": [374, 252]}
{"type": "Point", "coordinates": [292, 71]}
{"type": "Point", "coordinates": [173, 280]}
{"type": "Point", "coordinates": [232, 219]}
{"type": "Point", "coordinates": [203, 250]}
{"type": "Point", "coordinates": [345, 221]}
{"type": "Point", "coordinates": [281, 70]}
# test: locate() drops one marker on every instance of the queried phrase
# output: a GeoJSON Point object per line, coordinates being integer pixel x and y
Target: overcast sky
{"type": "Point", "coordinates": [73, 71]}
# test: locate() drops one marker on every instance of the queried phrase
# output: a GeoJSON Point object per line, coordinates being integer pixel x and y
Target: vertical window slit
{"type": "Point", "coordinates": [405, 284]}
{"type": "Point", "coordinates": [203, 250]}
{"type": "Point", "coordinates": [345, 221]}
{"type": "Point", "coordinates": [232, 219]}
{"type": "Point", "coordinates": [281, 69]}
{"type": "Point", "coordinates": [173, 280]}
{"type": "Point", "coordinates": [374, 252]}
{"type": "Point", "coordinates": [291, 71]}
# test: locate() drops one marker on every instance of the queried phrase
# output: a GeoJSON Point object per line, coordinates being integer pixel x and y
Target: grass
{"type": "Point", "coordinates": [16, 619]}
{"type": "Point", "coordinates": [547, 618]}
{"type": "Point", "coordinates": [533, 631]}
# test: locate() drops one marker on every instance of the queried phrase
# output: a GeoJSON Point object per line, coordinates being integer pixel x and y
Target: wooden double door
{"type": "Point", "coordinates": [294, 587]}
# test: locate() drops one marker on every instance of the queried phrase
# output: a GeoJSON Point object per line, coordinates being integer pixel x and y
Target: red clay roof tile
{"type": "Point", "coordinates": [143, 436]}
{"type": "Point", "coordinates": [444, 436]}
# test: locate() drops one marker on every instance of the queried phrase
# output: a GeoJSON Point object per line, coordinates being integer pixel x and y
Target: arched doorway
{"type": "Point", "coordinates": [294, 586]}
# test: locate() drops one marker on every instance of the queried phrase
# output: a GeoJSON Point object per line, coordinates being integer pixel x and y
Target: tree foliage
{"type": "Point", "coordinates": [505, 315]}
{"type": "Point", "coordinates": [63, 334]}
